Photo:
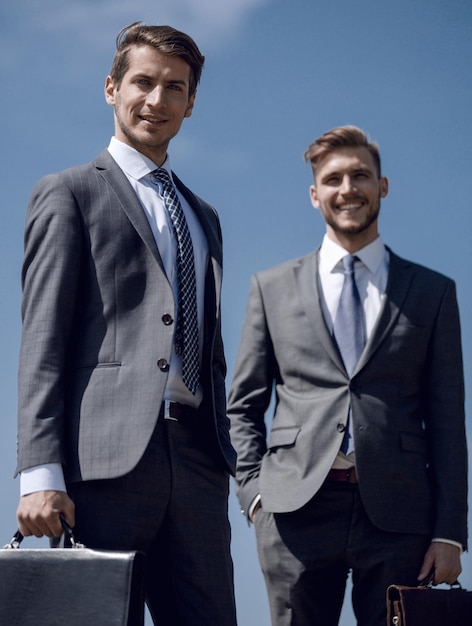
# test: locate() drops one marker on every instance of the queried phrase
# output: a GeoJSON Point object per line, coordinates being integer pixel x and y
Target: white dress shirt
{"type": "Point", "coordinates": [371, 274]}
{"type": "Point", "coordinates": [137, 169]}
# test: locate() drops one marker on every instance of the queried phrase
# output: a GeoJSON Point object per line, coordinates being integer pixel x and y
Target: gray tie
{"type": "Point", "coordinates": [186, 334]}
{"type": "Point", "coordinates": [349, 332]}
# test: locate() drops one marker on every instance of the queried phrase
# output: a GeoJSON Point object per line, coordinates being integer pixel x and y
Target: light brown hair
{"type": "Point", "coordinates": [341, 137]}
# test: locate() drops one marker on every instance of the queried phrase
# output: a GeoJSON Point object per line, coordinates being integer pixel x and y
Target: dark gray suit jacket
{"type": "Point", "coordinates": [407, 399]}
{"type": "Point", "coordinates": [96, 337]}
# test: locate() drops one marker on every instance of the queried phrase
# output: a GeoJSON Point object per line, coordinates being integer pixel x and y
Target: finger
{"type": "Point", "coordinates": [39, 515]}
{"type": "Point", "coordinates": [447, 575]}
{"type": "Point", "coordinates": [38, 528]}
{"type": "Point", "coordinates": [427, 569]}
{"type": "Point", "coordinates": [68, 512]}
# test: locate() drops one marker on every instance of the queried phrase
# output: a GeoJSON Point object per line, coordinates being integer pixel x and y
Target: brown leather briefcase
{"type": "Point", "coordinates": [425, 606]}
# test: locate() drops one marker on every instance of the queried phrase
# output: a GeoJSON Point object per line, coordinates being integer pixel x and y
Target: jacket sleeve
{"type": "Point", "coordinates": [51, 268]}
{"type": "Point", "coordinates": [445, 425]}
{"type": "Point", "coordinates": [250, 395]}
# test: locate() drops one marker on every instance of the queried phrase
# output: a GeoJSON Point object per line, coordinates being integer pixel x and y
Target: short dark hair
{"type": "Point", "coordinates": [164, 39]}
{"type": "Point", "coordinates": [341, 137]}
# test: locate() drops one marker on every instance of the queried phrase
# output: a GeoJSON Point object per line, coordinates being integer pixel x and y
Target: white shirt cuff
{"type": "Point", "coordinates": [48, 477]}
{"type": "Point", "coordinates": [450, 541]}
{"type": "Point", "coordinates": [252, 506]}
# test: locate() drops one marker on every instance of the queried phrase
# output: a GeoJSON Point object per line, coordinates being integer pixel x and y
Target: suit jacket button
{"type": "Point", "coordinates": [163, 365]}
{"type": "Point", "coordinates": [167, 319]}
{"type": "Point", "coordinates": [340, 427]}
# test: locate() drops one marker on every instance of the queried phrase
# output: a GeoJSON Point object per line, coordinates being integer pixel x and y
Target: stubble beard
{"type": "Point", "coordinates": [355, 229]}
{"type": "Point", "coordinates": [145, 143]}
{"type": "Point", "coordinates": [141, 139]}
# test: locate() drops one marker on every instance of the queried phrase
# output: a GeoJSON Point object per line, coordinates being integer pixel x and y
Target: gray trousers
{"type": "Point", "coordinates": [174, 507]}
{"type": "Point", "coordinates": [306, 557]}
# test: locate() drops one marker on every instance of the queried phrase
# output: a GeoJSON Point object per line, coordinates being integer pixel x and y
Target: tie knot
{"type": "Point", "coordinates": [348, 263]}
{"type": "Point", "coordinates": [162, 175]}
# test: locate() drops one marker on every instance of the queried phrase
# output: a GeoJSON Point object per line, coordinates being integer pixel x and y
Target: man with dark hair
{"type": "Point", "coordinates": [365, 466]}
{"type": "Point", "coordinates": [122, 417]}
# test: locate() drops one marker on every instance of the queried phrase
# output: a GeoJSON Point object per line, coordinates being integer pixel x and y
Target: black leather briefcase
{"type": "Point", "coordinates": [425, 606]}
{"type": "Point", "coordinates": [73, 586]}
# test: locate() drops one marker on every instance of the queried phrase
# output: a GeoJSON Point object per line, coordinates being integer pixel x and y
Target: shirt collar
{"type": "Point", "coordinates": [372, 255]}
{"type": "Point", "coordinates": [132, 162]}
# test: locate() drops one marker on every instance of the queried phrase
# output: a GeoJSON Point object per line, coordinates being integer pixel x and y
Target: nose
{"type": "Point", "coordinates": [156, 97]}
{"type": "Point", "coordinates": [347, 184]}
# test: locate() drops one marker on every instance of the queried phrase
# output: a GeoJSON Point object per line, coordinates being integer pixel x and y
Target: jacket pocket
{"type": "Point", "coordinates": [100, 365]}
{"type": "Point", "coordinates": [283, 437]}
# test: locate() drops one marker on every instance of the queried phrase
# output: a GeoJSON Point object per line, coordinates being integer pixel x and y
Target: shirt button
{"type": "Point", "coordinates": [163, 365]}
{"type": "Point", "coordinates": [167, 319]}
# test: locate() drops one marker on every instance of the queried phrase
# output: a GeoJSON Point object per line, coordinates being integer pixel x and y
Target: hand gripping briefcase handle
{"type": "Point", "coordinates": [76, 586]}
{"type": "Point", "coordinates": [69, 533]}
{"type": "Point", "coordinates": [425, 606]}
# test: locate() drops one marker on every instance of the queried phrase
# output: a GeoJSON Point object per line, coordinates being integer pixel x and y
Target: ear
{"type": "Point", "coordinates": [191, 102]}
{"type": "Point", "coordinates": [109, 91]}
{"type": "Point", "coordinates": [314, 197]}
{"type": "Point", "coordinates": [383, 187]}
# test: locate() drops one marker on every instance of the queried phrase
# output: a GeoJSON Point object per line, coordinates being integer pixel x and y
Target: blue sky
{"type": "Point", "coordinates": [278, 74]}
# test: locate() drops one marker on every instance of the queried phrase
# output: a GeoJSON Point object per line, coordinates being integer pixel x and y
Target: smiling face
{"type": "Point", "coordinates": [347, 191]}
{"type": "Point", "coordinates": [151, 101]}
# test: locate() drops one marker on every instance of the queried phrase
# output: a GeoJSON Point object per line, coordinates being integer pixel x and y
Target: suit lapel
{"type": "Point", "coordinates": [306, 275]}
{"type": "Point", "coordinates": [126, 197]}
{"type": "Point", "coordinates": [212, 235]}
{"type": "Point", "coordinates": [400, 276]}
{"type": "Point", "coordinates": [208, 227]}
{"type": "Point", "coordinates": [398, 286]}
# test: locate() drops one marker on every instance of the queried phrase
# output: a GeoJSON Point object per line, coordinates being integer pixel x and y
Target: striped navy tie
{"type": "Point", "coordinates": [349, 332]}
{"type": "Point", "coordinates": [186, 335]}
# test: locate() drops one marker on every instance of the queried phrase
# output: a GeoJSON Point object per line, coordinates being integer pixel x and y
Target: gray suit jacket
{"type": "Point", "coordinates": [406, 394]}
{"type": "Point", "coordinates": [96, 339]}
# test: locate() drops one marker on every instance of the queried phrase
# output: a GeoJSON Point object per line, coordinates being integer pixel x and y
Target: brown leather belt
{"type": "Point", "coordinates": [343, 475]}
{"type": "Point", "coordinates": [176, 412]}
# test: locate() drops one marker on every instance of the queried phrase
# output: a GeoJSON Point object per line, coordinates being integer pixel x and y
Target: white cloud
{"type": "Point", "coordinates": [210, 22]}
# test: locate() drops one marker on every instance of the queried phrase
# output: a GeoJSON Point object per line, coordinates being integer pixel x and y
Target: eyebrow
{"type": "Point", "coordinates": [355, 170]}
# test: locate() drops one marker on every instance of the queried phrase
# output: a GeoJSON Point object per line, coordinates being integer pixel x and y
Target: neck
{"type": "Point", "coordinates": [351, 243]}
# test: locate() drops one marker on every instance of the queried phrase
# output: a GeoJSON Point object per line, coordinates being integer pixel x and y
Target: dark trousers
{"type": "Point", "coordinates": [306, 557]}
{"type": "Point", "coordinates": [174, 507]}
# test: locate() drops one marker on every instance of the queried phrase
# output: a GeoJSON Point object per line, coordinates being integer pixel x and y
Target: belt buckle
{"type": "Point", "coordinates": [167, 415]}
{"type": "Point", "coordinates": [351, 475]}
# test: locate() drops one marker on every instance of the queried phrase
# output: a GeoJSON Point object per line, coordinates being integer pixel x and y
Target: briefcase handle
{"type": "Point", "coordinates": [18, 537]}
{"type": "Point", "coordinates": [429, 585]}
{"type": "Point", "coordinates": [428, 582]}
